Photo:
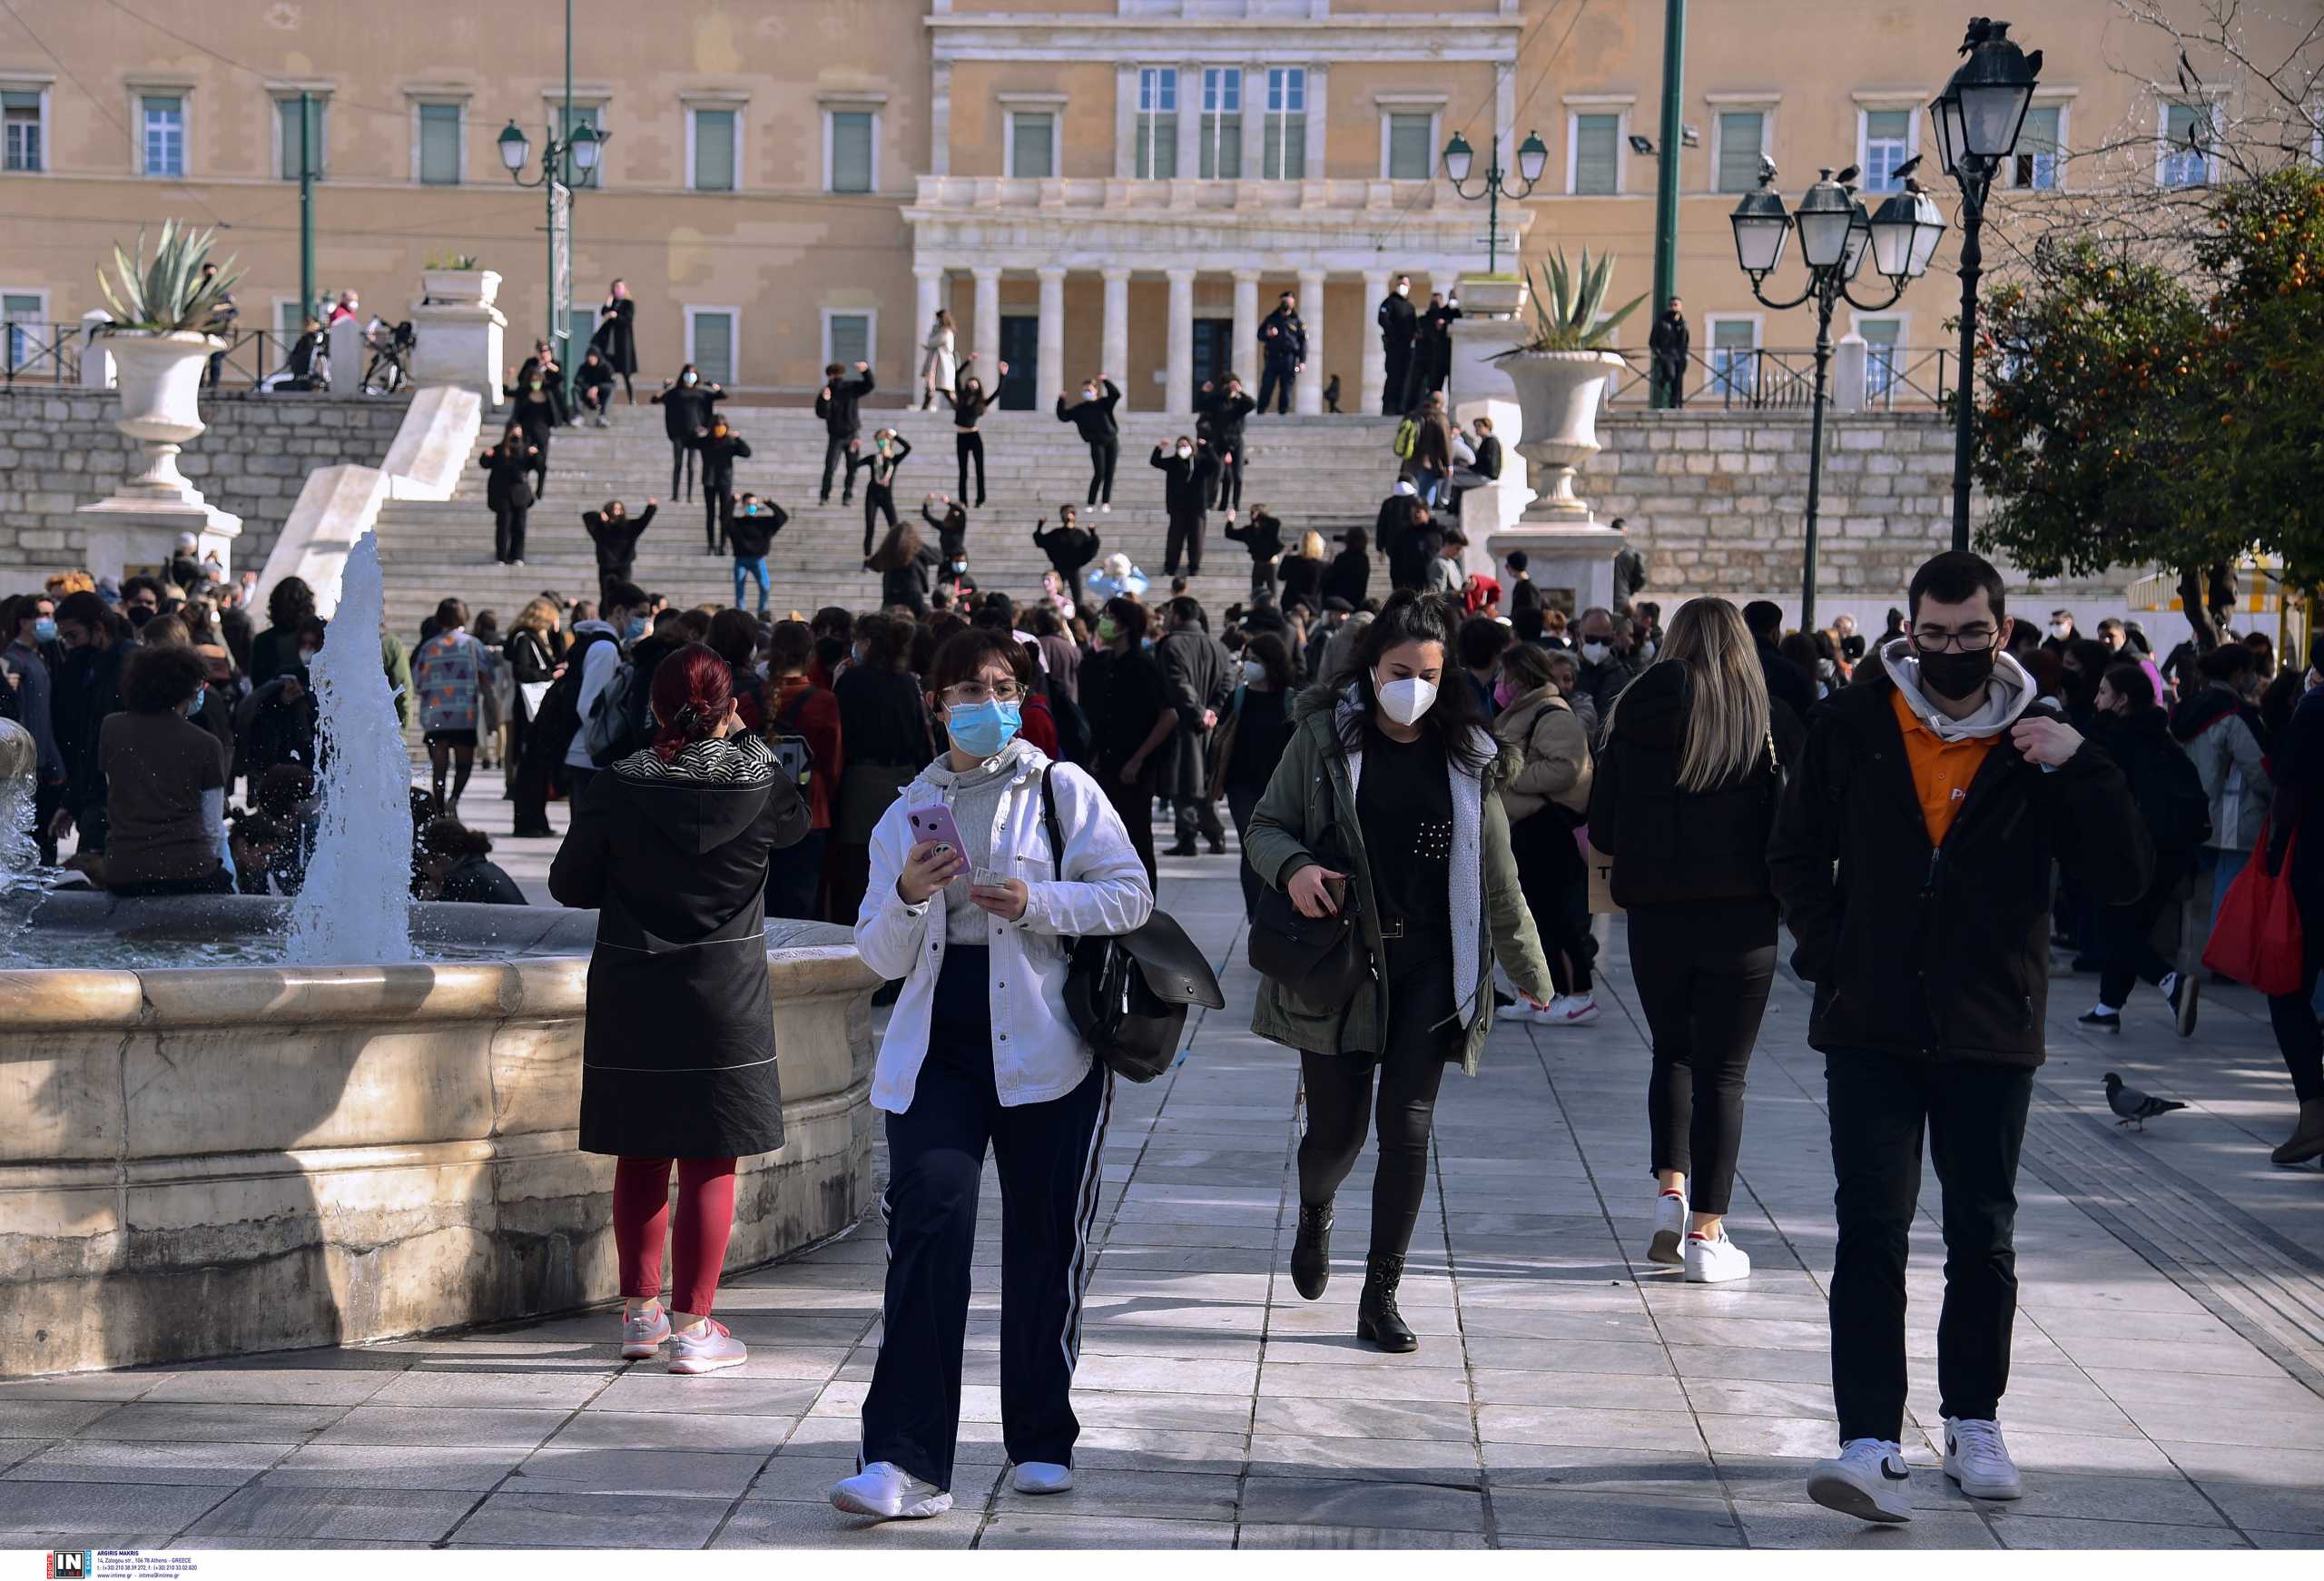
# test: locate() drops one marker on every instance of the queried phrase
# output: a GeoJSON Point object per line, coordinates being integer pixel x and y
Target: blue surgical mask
{"type": "Point", "coordinates": [43, 630]}
{"type": "Point", "coordinates": [635, 629]}
{"type": "Point", "coordinates": [982, 729]}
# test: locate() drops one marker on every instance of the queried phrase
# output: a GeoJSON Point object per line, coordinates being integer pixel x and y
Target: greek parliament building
{"type": "Point", "coordinates": [1123, 185]}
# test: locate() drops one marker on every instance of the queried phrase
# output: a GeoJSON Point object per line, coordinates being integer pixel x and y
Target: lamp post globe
{"type": "Point", "coordinates": [1825, 215]}
{"type": "Point", "coordinates": [1532, 156]}
{"type": "Point", "coordinates": [585, 145]}
{"type": "Point", "coordinates": [1458, 156]}
{"type": "Point", "coordinates": [515, 149]}
{"type": "Point", "coordinates": [1761, 228]}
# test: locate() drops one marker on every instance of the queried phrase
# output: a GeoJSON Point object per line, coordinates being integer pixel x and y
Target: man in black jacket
{"type": "Point", "coordinates": [1911, 859]}
{"type": "Point", "coordinates": [1609, 662]}
{"type": "Point", "coordinates": [1787, 683]}
{"type": "Point", "coordinates": [1069, 547]}
{"type": "Point", "coordinates": [1395, 317]}
{"type": "Point", "coordinates": [1201, 674]}
{"type": "Point", "coordinates": [836, 403]}
{"type": "Point", "coordinates": [1182, 497]}
{"type": "Point", "coordinates": [1225, 408]}
{"type": "Point", "coordinates": [719, 447]}
{"type": "Point", "coordinates": [1092, 416]}
{"type": "Point", "coordinates": [615, 532]}
{"type": "Point", "coordinates": [1282, 346]}
{"type": "Point", "coordinates": [1668, 343]}
{"type": "Point", "coordinates": [1433, 347]}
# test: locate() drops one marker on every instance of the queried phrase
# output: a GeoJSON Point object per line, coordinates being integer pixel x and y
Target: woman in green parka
{"type": "Point", "coordinates": [1384, 799]}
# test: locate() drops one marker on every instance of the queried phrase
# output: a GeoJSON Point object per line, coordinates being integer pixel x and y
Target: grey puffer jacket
{"type": "Point", "coordinates": [1541, 726]}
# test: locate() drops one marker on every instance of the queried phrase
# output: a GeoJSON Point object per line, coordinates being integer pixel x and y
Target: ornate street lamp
{"type": "Point", "coordinates": [1836, 237]}
{"type": "Point", "coordinates": [1977, 118]}
{"type": "Point", "coordinates": [1459, 158]}
{"type": "Point", "coordinates": [580, 151]}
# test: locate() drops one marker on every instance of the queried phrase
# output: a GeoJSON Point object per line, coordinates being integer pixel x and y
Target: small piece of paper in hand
{"type": "Point", "coordinates": [988, 878]}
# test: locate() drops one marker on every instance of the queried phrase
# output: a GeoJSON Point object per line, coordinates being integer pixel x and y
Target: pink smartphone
{"type": "Point", "coordinates": [935, 823]}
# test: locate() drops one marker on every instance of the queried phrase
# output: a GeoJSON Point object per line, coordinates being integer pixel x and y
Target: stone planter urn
{"type": "Point", "coordinates": [459, 331]}
{"type": "Point", "coordinates": [468, 288]}
{"type": "Point", "coordinates": [159, 380]}
{"type": "Point", "coordinates": [1558, 393]}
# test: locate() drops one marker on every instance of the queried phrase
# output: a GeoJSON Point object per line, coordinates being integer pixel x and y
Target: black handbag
{"type": "Point", "coordinates": [1126, 995]}
{"type": "Point", "coordinates": [1319, 962]}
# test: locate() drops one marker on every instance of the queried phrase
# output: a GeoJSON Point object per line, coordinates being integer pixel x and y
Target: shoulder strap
{"type": "Point", "coordinates": [1057, 835]}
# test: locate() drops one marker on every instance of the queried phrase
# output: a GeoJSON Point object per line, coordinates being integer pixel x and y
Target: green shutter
{"type": "Point", "coordinates": [714, 151]}
{"type": "Point", "coordinates": [439, 144]}
{"type": "Point", "coordinates": [1597, 154]}
{"type": "Point", "coordinates": [850, 150]}
{"type": "Point", "coordinates": [850, 338]}
{"type": "Point", "coordinates": [1410, 153]}
{"type": "Point", "coordinates": [1740, 145]}
{"type": "Point", "coordinates": [714, 347]}
{"type": "Point", "coordinates": [1034, 138]}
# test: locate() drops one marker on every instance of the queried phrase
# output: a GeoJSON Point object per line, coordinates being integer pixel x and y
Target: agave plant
{"type": "Point", "coordinates": [1565, 306]}
{"type": "Point", "coordinates": [169, 295]}
{"type": "Point", "coordinates": [452, 261]}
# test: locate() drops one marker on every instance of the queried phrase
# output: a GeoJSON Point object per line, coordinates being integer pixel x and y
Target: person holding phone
{"type": "Point", "coordinates": [1386, 796]}
{"type": "Point", "coordinates": [969, 903]}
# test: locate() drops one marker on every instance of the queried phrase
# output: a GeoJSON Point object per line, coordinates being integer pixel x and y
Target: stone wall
{"type": "Point", "coordinates": [59, 450]}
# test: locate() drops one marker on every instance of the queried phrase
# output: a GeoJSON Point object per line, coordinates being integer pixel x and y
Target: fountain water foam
{"type": "Point", "coordinates": [355, 906]}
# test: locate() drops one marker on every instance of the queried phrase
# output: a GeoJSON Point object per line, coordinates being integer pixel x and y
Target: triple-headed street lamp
{"type": "Point", "coordinates": [1836, 235]}
{"type": "Point", "coordinates": [1978, 117]}
{"type": "Point", "coordinates": [1532, 156]}
{"type": "Point", "coordinates": [578, 150]}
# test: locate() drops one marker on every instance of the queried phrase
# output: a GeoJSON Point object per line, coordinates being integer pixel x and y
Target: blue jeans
{"type": "Point", "coordinates": [743, 571]}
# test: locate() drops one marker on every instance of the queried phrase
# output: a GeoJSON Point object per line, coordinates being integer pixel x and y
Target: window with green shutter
{"type": "Point", "coordinates": [1412, 153]}
{"type": "Point", "coordinates": [850, 150]}
{"type": "Point", "coordinates": [286, 112]}
{"type": "Point", "coordinates": [439, 144]}
{"type": "Point", "coordinates": [1283, 141]}
{"type": "Point", "coordinates": [850, 338]}
{"type": "Point", "coordinates": [1033, 145]}
{"type": "Point", "coordinates": [1742, 137]}
{"type": "Point", "coordinates": [714, 151]}
{"type": "Point", "coordinates": [1220, 156]}
{"type": "Point", "coordinates": [1157, 155]}
{"type": "Point", "coordinates": [711, 348]}
{"type": "Point", "coordinates": [1597, 154]}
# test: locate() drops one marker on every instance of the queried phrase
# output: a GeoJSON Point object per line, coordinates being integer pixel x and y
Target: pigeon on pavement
{"type": "Point", "coordinates": [2131, 1105]}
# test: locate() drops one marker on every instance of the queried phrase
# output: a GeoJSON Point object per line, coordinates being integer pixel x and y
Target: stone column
{"type": "Point", "coordinates": [1373, 382]}
{"type": "Point", "coordinates": [1113, 341]}
{"type": "Point", "coordinates": [928, 281]}
{"type": "Point", "coordinates": [1051, 334]}
{"type": "Point", "coordinates": [1308, 388]}
{"type": "Point", "coordinates": [1245, 358]}
{"type": "Point", "coordinates": [1178, 374]}
{"type": "Point", "coordinates": [987, 328]}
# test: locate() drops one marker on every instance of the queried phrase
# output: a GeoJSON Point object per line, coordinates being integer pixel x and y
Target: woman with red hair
{"type": "Point", "coordinates": [671, 845]}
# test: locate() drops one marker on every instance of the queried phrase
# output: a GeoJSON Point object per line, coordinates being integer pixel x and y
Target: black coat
{"type": "Point", "coordinates": [751, 536]}
{"type": "Point", "coordinates": [719, 455]}
{"type": "Point", "coordinates": [1068, 549]}
{"type": "Point", "coordinates": [1787, 682]}
{"type": "Point", "coordinates": [617, 337]}
{"type": "Point", "coordinates": [1093, 418]}
{"type": "Point", "coordinates": [1303, 579]}
{"type": "Point", "coordinates": [1394, 318]}
{"type": "Point", "coordinates": [1488, 461]}
{"type": "Point", "coordinates": [1201, 674]}
{"type": "Point", "coordinates": [1262, 535]}
{"type": "Point", "coordinates": [836, 404]}
{"type": "Point", "coordinates": [1669, 341]}
{"type": "Point", "coordinates": [909, 583]}
{"type": "Point", "coordinates": [594, 375]}
{"type": "Point", "coordinates": [686, 412]}
{"type": "Point", "coordinates": [616, 539]}
{"type": "Point", "coordinates": [1226, 411]}
{"type": "Point", "coordinates": [2163, 783]}
{"type": "Point", "coordinates": [1283, 339]}
{"type": "Point", "coordinates": [1349, 577]}
{"type": "Point", "coordinates": [506, 488]}
{"type": "Point", "coordinates": [1938, 952]}
{"type": "Point", "coordinates": [1671, 845]}
{"type": "Point", "coordinates": [1182, 488]}
{"type": "Point", "coordinates": [479, 882]}
{"type": "Point", "coordinates": [678, 1056]}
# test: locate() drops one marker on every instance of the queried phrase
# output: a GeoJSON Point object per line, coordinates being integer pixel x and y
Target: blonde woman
{"type": "Point", "coordinates": [937, 363]}
{"type": "Point", "coordinates": [1684, 800]}
{"type": "Point", "coordinates": [1302, 574]}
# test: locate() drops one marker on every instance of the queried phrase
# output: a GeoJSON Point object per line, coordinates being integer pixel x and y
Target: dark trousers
{"type": "Point", "coordinates": [1339, 1103]}
{"type": "Point", "coordinates": [1227, 488]}
{"type": "Point", "coordinates": [794, 878]}
{"type": "Point", "coordinates": [1974, 1116]}
{"type": "Point", "coordinates": [835, 455]}
{"type": "Point", "coordinates": [1047, 1156]}
{"type": "Point", "coordinates": [1671, 377]}
{"type": "Point", "coordinates": [1392, 388]}
{"type": "Point", "coordinates": [681, 456]}
{"type": "Point", "coordinates": [1274, 383]}
{"type": "Point", "coordinates": [2124, 938]}
{"type": "Point", "coordinates": [965, 445]}
{"type": "Point", "coordinates": [879, 499]}
{"type": "Point", "coordinates": [1103, 454]}
{"type": "Point", "coordinates": [1197, 813]}
{"type": "Point", "coordinates": [608, 578]}
{"type": "Point", "coordinates": [1556, 884]}
{"type": "Point", "coordinates": [1185, 536]}
{"type": "Point", "coordinates": [2293, 1015]}
{"type": "Point", "coordinates": [1242, 801]}
{"type": "Point", "coordinates": [509, 532]}
{"type": "Point", "coordinates": [1702, 973]}
{"type": "Point", "coordinates": [538, 468]}
{"type": "Point", "coordinates": [718, 511]}
{"type": "Point", "coordinates": [1262, 578]}
{"type": "Point", "coordinates": [1135, 804]}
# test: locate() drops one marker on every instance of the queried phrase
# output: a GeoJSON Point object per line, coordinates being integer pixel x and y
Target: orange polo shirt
{"type": "Point", "coordinates": [1942, 769]}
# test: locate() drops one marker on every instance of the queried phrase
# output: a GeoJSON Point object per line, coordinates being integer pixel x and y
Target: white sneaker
{"type": "Point", "coordinates": [1976, 1458]}
{"type": "Point", "coordinates": [1107, 509]}
{"type": "Point", "coordinates": [1042, 1476]}
{"type": "Point", "coordinates": [1712, 1261]}
{"type": "Point", "coordinates": [1571, 1010]}
{"type": "Point", "coordinates": [1867, 1479]}
{"type": "Point", "coordinates": [888, 1492]}
{"type": "Point", "coordinates": [1669, 1230]}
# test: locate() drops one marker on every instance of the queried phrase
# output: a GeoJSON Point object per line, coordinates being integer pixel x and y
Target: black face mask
{"type": "Point", "coordinates": [1956, 675]}
{"type": "Point", "coordinates": [138, 615]}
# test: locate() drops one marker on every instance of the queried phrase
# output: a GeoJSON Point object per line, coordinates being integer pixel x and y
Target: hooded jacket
{"type": "Point", "coordinates": [1671, 845]}
{"type": "Point", "coordinates": [1182, 489]}
{"type": "Point", "coordinates": [1309, 811]}
{"type": "Point", "coordinates": [678, 1055]}
{"type": "Point", "coordinates": [1068, 549]}
{"type": "Point", "coordinates": [1093, 416]}
{"type": "Point", "coordinates": [1940, 951]}
{"type": "Point", "coordinates": [750, 534]}
{"type": "Point", "coordinates": [617, 538]}
{"type": "Point", "coordinates": [837, 403]}
{"type": "Point", "coordinates": [1553, 752]}
{"type": "Point", "coordinates": [686, 407]}
{"type": "Point", "coordinates": [2218, 730]}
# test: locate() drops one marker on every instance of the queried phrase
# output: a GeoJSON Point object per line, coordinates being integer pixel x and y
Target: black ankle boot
{"type": "Point", "coordinates": [1311, 1253]}
{"type": "Point", "coordinates": [1377, 1317]}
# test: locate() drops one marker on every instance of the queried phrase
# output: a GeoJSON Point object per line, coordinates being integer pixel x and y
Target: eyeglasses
{"type": "Point", "coordinates": [1968, 640]}
{"type": "Point", "coordinates": [968, 694]}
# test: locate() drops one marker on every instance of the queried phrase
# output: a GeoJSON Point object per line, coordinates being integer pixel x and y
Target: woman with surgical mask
{"type": "Point", "coordinates": [1386, 802]}
{"type": "Point", "coordinates": [976, 1055]}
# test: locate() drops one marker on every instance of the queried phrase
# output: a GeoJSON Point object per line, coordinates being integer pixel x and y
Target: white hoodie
{"type": "Point", "coordinates": [2010, 694]}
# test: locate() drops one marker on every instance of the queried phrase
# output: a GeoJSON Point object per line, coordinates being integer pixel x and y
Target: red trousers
{"type": "Point", "coordinates": [642, 1221]}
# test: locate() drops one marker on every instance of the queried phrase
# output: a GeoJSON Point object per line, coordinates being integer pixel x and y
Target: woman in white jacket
{"type": "Point", "coordinates": [937, 366]}
{"type": "Point", "coordinates": [979, 1051]}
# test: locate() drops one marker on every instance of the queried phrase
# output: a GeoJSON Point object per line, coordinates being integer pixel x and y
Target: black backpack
{"type": "Point", "coordinates": [791, 749]}
{"type": "Point", "coordinates": [1127, 994]}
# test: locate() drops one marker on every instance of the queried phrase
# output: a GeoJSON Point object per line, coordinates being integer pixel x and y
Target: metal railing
{"type": "Point", "coordinates": [45, 357]}
{"type": "Point", "coordinates": [1773, 379]}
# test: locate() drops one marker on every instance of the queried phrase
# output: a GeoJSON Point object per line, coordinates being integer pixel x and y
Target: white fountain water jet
{"type": "Point", "coordinates": [355, 906]}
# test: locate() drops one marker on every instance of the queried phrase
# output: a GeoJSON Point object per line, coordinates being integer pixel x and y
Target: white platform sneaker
{"type": "Point", "coordinates": [888, 1492]}
{"type": "Point", "coordinates": [1715, 1260]}
{"type": "Point", "coordinates": [1669, 1230]}
{"type": "Point", "coordinates": [1976, 1458]}
{"type": "Point", "coordinates": [1042, 1476]}
{"type": "Point", "coordinates": [1867, 1479]}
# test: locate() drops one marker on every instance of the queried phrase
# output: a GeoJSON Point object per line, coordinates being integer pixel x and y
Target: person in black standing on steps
{"type": "Point", "coordinates": [1282, 346]}
{"type": "Point", "coordinates": [1069, 547]}
{"type": "Point", "coordinates": [507, 493]}
{"type": "Point", "coordinates": [616, 534]}
{"type": "Point", "coordinates": [720, 446]}
{"type": "Point", "coordinates": [686, 406]}
{"type": "Point", "coordinates": [836, 403]}
{"type": "Point", "coordinates": [1182, 498]}
{"type": "Point", "coordinates": [1433, 347]}
{"type": "Point", "coordinates": [968, 404]}
{"type": "Point", "coordinates": [1225, 408]}
{"type": "Point", "coordinates": [1093, 416]}
{"type": "Point", "coordinates": [951, 526]}
{"type": "Point", "coordinates": [1262, 537]}
{"type": "Point", "coordinates": [1395, 317]}
{"type": "Point", "coordinates": [889, 449]}
{"type": "Point", "coordinates": [535, 413]}
{"type": "Point", "coordinates": [1685, 793]}
{"type": "Point", "coordinates": [617, 337]}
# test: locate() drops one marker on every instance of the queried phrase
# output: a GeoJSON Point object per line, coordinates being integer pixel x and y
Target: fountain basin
{"type": "Point", "coordinates": [213, 1160]}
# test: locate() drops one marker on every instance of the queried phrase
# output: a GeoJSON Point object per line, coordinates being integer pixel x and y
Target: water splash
{"type": "Point", "coordinates": [24, 880]}
{"type": "Point", "coordinates": [355, 907]}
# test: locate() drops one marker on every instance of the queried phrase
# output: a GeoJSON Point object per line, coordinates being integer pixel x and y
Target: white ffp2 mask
{"type": "Point", "coordinates": [1405, 701]}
